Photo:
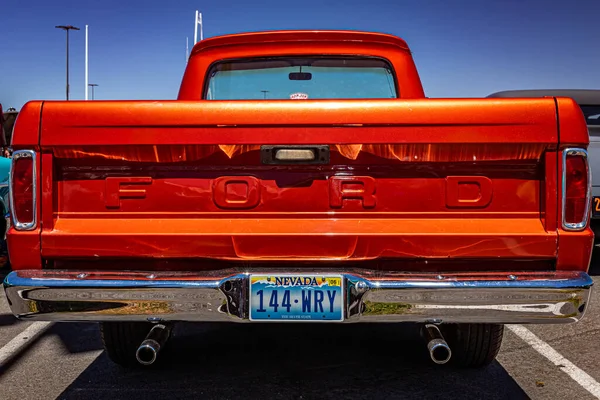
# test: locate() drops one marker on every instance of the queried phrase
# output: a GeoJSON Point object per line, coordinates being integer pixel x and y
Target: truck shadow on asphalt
{"type": "Point", "coordinates": [8, 319]}
{"type": "Point", "coordinates": [594, 269]}
{"type": "Point", "coordinates": [289, 362]}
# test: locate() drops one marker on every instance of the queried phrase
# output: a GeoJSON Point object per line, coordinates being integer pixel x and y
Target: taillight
{"type": "Point", "coordinates": [23, 195]}
{"type": "Point", "coordinates": [576, 189]}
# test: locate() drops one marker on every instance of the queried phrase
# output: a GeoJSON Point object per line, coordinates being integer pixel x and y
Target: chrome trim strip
{"type": "Point", "coordinates": [370, 296]}
{"type": "Point", "coordinates": [24, 226]}
{"type": "Point", "coordinates": [568, 226]}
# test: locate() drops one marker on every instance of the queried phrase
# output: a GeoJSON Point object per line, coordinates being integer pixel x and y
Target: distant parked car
{"type": "Point", "coordinates": [7, 120]}
{"type": "Point", "coordinates": [589, 101]}
{"type": "Point", "coordinates": [9, 116]}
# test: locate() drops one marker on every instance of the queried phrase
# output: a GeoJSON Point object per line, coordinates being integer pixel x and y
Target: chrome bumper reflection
{"type": "Point", "coordinates": [371, 296]}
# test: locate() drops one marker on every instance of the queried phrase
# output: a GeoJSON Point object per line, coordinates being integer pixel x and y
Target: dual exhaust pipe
{"type": "Point", "coordinates": [147, 352]}
{"type": "Point", "coordinates": [439, 351]}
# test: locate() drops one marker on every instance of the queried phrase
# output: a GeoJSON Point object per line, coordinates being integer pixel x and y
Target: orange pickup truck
{"type": "Point", "coordinates": [301, 176]}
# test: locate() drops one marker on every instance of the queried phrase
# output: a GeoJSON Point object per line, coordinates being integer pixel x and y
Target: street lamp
{"type": "Point", "coordinates": [92, 85]}
{"type": "Point", "coordinates": [67, 28]}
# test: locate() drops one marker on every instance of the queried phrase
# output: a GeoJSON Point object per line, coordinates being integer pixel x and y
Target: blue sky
{"type": "Point", "coordinates": [462, 48]}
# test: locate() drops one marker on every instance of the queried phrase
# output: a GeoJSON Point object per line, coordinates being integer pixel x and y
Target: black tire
{"type": "Point", "coordinates": [4, 259]}
{"type": "Point", "coordinates": [473, 345]}
{"type": "Point", "coordinates": [122, 339]}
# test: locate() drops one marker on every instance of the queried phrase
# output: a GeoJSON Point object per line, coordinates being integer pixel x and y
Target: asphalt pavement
{"type": "Point", "coordinates": [232, 361]}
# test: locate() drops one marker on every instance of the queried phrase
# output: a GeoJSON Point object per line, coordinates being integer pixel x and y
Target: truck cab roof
{"type": "Point", "coordinates": [299, 36]}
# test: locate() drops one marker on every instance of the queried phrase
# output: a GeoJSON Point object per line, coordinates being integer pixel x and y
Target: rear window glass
{"type": "Point", "coordinates": [299, 78]}
{"type": "Point", "coordinates": [592, 114]}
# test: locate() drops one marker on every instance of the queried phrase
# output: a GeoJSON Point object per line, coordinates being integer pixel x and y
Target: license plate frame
{"type": "Point", "coordinates": [595, 206]}
{"type": "Point", "coordinates": [296, 297]}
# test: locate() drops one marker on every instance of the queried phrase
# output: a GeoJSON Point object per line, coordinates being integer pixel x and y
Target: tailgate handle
{"type": "Point", "coordinates": [294, 154]}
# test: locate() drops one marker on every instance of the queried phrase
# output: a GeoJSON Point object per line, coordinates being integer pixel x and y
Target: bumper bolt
{"type": "Point", "coordinates": [361, 286]}
{"type": "Point", "coordinates": [434, 321]}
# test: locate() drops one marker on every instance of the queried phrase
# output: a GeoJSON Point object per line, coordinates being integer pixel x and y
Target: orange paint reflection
{"type": "Point", "coordinates": [401, 152]}
{"type": "Point", "coordinates": [235, 149]}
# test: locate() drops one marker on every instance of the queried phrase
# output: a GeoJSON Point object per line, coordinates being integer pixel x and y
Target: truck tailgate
{"type": "Point", "coordinates": [403, 179]}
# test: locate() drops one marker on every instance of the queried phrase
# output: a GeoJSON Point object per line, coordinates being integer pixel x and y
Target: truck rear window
{"type": "Point", "coordinates": [298, 78]}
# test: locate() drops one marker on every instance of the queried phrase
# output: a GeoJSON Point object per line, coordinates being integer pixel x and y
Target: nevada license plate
{"type": "Point", "coordinates": [296, 297]}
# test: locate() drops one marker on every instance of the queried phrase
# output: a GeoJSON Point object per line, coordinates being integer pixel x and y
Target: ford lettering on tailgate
{"type": "Point", "coordinates": [296, 297]}
{"type": "Point", "coordinates": [249, 192]}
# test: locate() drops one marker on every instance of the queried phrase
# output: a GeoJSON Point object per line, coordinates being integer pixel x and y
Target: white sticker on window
{"type": "Point", "coordinates": [298, 96]}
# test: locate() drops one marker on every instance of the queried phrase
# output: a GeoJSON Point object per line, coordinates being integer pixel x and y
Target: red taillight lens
{"type": "Point", "coordinates": [22, 190]}
{"type": "Point", "coordinates": [576, 196]}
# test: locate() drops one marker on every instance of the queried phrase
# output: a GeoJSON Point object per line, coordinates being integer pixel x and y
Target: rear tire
{"type": "Point", "coordinates": [122, 339]}
{"type": "Point", "coordinates": [473, 345]}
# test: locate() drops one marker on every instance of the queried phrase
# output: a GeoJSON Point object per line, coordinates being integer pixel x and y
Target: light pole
{"type": "Point", "coordinates": [67, 28]}
{"type": "Point", "coordinates": [92, 85]}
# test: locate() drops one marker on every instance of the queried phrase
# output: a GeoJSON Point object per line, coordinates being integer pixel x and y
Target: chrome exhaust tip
{"type": "Point", "coordinates": [439, 351]}
{"type": "Point", "coordinates": [147, 352]}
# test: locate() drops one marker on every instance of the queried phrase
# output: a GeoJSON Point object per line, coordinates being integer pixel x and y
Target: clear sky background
{"type": "Point", "coordinates": [463, 48]}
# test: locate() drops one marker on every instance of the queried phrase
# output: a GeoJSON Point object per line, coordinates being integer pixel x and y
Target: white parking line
{"type": "Point", "coordinates": [21, 341]}
{"type": "Point", "coordinates": [577, 374]}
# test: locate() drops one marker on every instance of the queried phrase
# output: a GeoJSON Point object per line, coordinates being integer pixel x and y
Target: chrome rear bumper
{"type": "Point", "coordinates": [370, 296]}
